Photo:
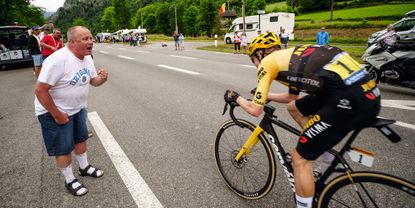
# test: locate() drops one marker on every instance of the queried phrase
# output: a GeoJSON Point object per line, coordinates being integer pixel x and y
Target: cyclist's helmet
{"type": "Point", "coordinates": [263, 41]}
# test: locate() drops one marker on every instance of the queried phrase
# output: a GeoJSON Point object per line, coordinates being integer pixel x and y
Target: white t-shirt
{"type": "Point", "coordinates": [69, 78]}
{"type": "Point", "coordinates": [244, 41]}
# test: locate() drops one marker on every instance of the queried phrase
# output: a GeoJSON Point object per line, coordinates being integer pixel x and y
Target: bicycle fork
{"type": "Point", "coordinates": [249, 144]}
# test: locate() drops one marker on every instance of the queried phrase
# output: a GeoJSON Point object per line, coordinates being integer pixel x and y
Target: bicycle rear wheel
{"type": "Point", "coordinates": [371, 189]}
{"type": "Point", "coordinates": [253, 176]}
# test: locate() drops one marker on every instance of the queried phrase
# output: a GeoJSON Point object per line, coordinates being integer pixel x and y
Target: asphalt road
{"type": "Point", "coordinates": [163, 108]}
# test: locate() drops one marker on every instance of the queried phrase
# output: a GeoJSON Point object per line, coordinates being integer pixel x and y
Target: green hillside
{"type": "Point", "coordinates": [376, 12]}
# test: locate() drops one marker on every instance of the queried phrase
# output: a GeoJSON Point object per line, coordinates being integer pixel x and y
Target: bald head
{"type": "Point", "coordinates": [75, 32]}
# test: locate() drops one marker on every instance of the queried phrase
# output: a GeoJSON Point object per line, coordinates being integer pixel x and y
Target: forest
{"type": "Point", "coordinates": [194, 17]}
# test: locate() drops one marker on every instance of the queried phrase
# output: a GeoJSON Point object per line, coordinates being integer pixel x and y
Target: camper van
{"type": "Point", "coordinates": [271, 22]}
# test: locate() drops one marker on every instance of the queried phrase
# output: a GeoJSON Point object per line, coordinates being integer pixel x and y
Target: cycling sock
{"type": "Point", "coordinates": [303, 202]}
{"type": "Point", "coordinates": [82, 160]}
{"type": "Point", "coordinates": [68, 173]}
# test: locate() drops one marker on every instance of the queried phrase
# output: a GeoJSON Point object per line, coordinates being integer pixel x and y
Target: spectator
{"type": "Point", "coordinates": [181, 41]}
{"type": "Point", "coordinates": [216, 40]}
{"type": "Point", "coordinates": [51, 43]}
{"type": "Point", "coordinates": [2, 46]}
{"type": "Point", "coordinates": [176, 40]}
{"type": "Point", "coordinates": [244, 43]}
{"type": "Point", "coordinates": [390, 36]}
{"type": "Point", "coordinates": [61, 98]}
{"type": "Point", "coordinates": [145, 39]}
{"type": "Point", "coordinates": [322, 37]}
{"type": "Point", "coordinates": [237, 42]}
{"type": "Point", "coordinates": [284, 38]}
{"type": "Point", "coordinates": [35, 50]}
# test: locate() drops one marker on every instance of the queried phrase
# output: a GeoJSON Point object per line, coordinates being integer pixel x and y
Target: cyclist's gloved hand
{"type": "Point", "coordinates": [231, 96]}
{"type": "Point", "coordinates": [253, 91]}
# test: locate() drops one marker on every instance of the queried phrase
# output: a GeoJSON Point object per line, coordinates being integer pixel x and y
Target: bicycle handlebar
{"type": "Point", "coordinates": [232, 107]}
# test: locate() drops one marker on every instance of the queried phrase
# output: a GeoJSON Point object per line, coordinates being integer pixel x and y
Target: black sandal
{"type": "Point", "coordinates": [94, 174]}
{"type": "Point", "coordinates": [74, 191]}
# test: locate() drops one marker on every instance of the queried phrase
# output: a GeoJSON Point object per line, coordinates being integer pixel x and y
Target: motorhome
{"type": "Point", "coordinates": [261, 23]}
{"type": "Point", "coordinates": [119, 34]}
{"type": "Point", "coordinates": [102, 37]}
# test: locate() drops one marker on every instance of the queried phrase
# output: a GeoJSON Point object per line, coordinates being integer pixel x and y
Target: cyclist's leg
{"type": "Point", "coordinates": [307, 106]}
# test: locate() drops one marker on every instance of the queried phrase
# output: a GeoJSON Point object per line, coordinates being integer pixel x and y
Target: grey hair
{"type": "Point", "coordinates": [73, 32]}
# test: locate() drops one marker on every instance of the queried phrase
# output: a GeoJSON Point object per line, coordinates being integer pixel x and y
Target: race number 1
{"type": "Point", "coordinates": [361, 156]}
{"type": "Point", "coordinates": [344, 65]}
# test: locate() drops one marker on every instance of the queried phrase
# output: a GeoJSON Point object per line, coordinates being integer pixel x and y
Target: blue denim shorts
{"type": "Point", "coordinates": [37, 59]}
{"type": "Point", "coordinates": [61, 139]}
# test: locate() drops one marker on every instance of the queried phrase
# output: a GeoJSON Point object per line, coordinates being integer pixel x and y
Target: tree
{"type": "Point", "coordinates": [189, 20]}
{"type": "Point", "coordinates": [149, 22]}
{"type": "Point", "coordinates": [122, 13]}
{"type": "Point", "coordinates": [79, 21]}
{"type": "Point", "coordinates": [20, 11]}
{"type": "Point", "coordinates": [206, 17]}
{"type": "Point", "coordinates": [162, 15]}
{"type": "Point", "coordinates": [108, 20]}
{"type": "Point", "coordinates": [309, 5]}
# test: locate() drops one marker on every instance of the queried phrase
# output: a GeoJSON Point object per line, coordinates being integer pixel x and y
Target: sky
{"type": "Point", "coordinates": [49, 5]}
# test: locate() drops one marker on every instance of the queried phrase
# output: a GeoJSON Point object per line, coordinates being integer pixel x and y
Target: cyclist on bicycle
{"type": "Point", "coordinates": [341, 97]}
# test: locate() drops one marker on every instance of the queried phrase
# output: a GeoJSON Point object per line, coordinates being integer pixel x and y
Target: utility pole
{"type": "Point", "coordinates": [142, 26]}
{"type": "Point", "coordinates": [243, 15]}
{"type": "Point", "coordinates": [332, 8]}
{"type": "Point", "coordinates": [175, 17]}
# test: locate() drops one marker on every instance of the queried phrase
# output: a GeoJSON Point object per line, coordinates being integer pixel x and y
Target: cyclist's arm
{"type": "Point", "coordinates": [250, 107]}
{"type": "Point", "coordinates": [266, 74]}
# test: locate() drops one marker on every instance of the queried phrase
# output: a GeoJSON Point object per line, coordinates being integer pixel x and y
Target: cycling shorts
{"type": "Point", "coordinates": [333, 116]}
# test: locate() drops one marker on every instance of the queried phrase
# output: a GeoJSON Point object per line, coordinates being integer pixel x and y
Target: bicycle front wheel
{"type": "Point", "coordinates": [253, 176]}
{"type": "Point", "coordinates": [370, 189]}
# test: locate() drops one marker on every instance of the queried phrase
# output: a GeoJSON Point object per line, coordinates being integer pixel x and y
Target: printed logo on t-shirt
{"type": "Point", "coordinates": [81, 75]}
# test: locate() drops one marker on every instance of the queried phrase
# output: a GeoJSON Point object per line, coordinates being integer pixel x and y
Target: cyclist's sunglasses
{"type": "Point", "coordinates": [259, 54]}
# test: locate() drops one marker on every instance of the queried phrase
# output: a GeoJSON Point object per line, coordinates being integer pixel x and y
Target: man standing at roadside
{"type": "Point", "coordinates": [322, 37]}
{"type": "Point", "coordinates": [34, 49]}
{"type": "Point", "coordinates": [51, 43]}
{"type": "Point", "coordinates": [60, 104]}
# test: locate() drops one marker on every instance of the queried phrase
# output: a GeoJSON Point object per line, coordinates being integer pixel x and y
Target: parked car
{"type": "Point", "coordinates": [14, 47]}
{"type": "Point", "coordinates": [404, 27]}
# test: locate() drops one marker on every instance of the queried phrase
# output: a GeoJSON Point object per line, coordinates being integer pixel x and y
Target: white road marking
{"type": "Point", "coordinates": [401, 104]}
{"type": "Point", "coordinates": [126, 57]}
{"type": "Point", "coordinates": [223, 53]}
{"type": "Point", "coordinates": [407, 125]}
{"type": "Point", "coordinates": [399, 123]}
{"type": "Point", "coordinates": [104, 52]}
{"type": "Point", "coordinates": [142, 51]}
{"type": "Point", "coordinates": [179, 69]}
{"type": "Point", "coordinates": [185, 57]}
{"type": "Point", "coordinates": [139, 190]}
{"type": "Point", "coordinates": [249, 66]}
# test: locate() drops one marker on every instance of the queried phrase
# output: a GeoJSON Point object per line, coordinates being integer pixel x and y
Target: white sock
{"type": "Point", "coordinates": [303, 202]}
{"type": "Point", "coordinates": [68, 173]}
{"type": "Point", "coordinates": [82, 160]}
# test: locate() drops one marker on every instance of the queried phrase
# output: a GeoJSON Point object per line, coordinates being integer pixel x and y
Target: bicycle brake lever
{"type": "Point", "coordinates": [225, 109]}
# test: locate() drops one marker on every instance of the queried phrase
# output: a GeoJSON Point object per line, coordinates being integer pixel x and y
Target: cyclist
{"type": "Point", "coordinates": [341, 97]}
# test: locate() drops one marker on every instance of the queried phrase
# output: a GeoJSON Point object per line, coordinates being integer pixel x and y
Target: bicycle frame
{"type": "Point", "coordinates": [266, 125]}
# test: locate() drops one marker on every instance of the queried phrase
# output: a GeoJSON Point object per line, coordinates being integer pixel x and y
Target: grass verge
{"type": "Point", "coordinates": [356, 51]}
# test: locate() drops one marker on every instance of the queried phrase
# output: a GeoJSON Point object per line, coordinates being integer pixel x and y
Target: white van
{"type": "Point", "coordinates": [269, 22]}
